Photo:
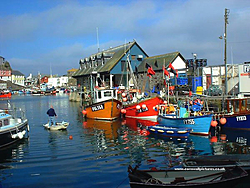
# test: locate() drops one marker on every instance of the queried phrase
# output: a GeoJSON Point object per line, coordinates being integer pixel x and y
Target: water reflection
{"type": "Point", "coordinates": [231, 141]}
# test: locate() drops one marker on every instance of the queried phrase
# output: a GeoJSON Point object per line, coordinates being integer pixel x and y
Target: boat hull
{"type": "Point", "coordinates": [200, 125]}
{"type": "Point", "coordinates": [148, 113]}
{"type": "Point", "coordinates": [10, 135]}
{"type": "Point", "coordinates": [106, 110]}
{"type": "Point", "coordinates": [6, 95]}
{"type": "Point", "coordinates": [241, 122]}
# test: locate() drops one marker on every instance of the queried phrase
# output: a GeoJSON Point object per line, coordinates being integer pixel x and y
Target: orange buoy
{"type": "Point", "coordinates": [214, 123]}
{"type": "Point", "coordinates": [214, 139]}
{"type": "Point", "coordinates": [84, 112]}
{"type": "Point", "coordinates": [123, 111]}
{"type": "Point", "coordinates": [70, 137]}
{"type": "Point", "coordinates": [223, 137]}
{"type": "Point", "coordinates": [223, 121]}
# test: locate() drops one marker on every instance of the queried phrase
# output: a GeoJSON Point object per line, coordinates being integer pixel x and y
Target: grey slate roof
{"type": "Point", "coordinates": [161, 60]}
{"type": "Point", "coordinates": [114, 55]}
{"type": "Point", "coordinates": [17, 73]}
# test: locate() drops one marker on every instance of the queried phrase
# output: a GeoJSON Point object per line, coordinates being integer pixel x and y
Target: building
{"type": "Point", "coordinates": [157, 63]}
{"type": "Point", "coordinates": [17, 78]}
{"type": "Point", "coordinates": [109, 67]}
{"type": "Point", "coordinates": [5, 70]}
{"type": "Point", "coordinates": [56, 82]}
{"type": "Point", "coordinates": [71, 81]}
{"type": "Point", "coordinates": [44, 79]}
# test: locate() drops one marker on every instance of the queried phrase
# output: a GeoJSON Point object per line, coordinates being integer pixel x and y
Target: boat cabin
{"type": "Point", "coordinates": [105, 94]}
{"type": "Point", "coordinates": [238, 106]}
{"type": "Point", "coordinates": [4, 119]}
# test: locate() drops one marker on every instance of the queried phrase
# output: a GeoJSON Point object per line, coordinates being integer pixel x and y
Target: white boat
{"type": "Point", "coordinates": [59, 126]}
{"type": "Point", "coordinates": [12, 127]}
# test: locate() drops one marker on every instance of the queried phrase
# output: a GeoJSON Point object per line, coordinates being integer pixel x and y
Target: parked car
{"type": "Point", "coordinates": [213, 90]}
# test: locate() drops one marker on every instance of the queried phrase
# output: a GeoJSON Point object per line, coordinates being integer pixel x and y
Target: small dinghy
{"type": "Point", "coordinates": [59, 126]}
{"type": "Point", "coordinates": [161, 130]}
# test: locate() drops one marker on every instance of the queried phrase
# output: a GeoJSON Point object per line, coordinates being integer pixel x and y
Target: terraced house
{"type": "Point", "coordinates": [110, 67]}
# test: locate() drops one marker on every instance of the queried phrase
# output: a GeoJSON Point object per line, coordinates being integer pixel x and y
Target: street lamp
{"type": "Point", "coordinates": [225, 47]}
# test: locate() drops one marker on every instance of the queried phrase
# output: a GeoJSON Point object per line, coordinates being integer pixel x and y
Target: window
{"type": "Point", "coordinates": [123, 65]}
{"type": "Point", "coordinates": [6, 122]}
{"type": "Point", "coordinates": [107, 94]}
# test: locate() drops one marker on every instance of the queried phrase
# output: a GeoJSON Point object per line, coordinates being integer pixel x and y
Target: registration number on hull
{"type": "Point", "coordinates": [97, 107]}
{"type": "Point", "coordinates": [189, 122]}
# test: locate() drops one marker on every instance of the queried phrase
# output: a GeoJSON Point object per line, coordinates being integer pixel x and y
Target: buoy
{"type": "Point", "coordinates": [223, 121]}
{"type": "Point", "coordinates": [165, 102]}
{"type": "Point", "coordinates": [84, 112]}
{"type": "Point", "coordinates": [124, 94]}
{"type": "Point", "coordinates": [223, 137]}
{"type": "Point", "coordinates": [214, 139]}
{"type": "Point", "coordinates": [124, 99]}
{"type": "Point", "coordinates": [123, 111]}
{"type": "Point", "coordinates": [138, 107]}
{"type": "Point", "coordinates": [144, 106]}
{"type": "Point", "coordinates": [214, 123]}
{"type": "Point", "coordinates": [70, 137]}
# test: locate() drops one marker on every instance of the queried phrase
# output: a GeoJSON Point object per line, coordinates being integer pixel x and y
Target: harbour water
{"type": "Point", "coordinates": [99, 153]}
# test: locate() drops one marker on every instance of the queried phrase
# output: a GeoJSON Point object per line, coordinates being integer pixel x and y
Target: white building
{"type": "Point", "coordinates": [58, 82]}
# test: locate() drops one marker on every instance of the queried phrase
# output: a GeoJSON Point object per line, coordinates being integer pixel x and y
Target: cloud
{"type": "Point", "coordinates": [65, 32]}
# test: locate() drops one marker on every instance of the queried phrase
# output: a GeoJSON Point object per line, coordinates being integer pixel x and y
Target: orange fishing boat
{"type": "Point", "coordinates": [105, 105]}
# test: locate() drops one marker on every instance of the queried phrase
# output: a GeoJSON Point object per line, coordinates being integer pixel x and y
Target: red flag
{"type": "Point", "coordinates": [165, 71]}
{"type": "Point", "coordinates": [175, 72]}
{"type": "Point", "coordinates": [150, 70]}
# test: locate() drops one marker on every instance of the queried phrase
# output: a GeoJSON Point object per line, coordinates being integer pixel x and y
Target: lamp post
{"type": "Point", "coordinates": [225, 47]}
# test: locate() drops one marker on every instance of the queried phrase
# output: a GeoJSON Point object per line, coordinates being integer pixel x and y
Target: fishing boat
{"type": "Point", "coordinates": [5, 94]}
{"type": "Point", "coordinates": [161, 130]}
{"type": "Point", "coordinates": [179, 177]}
{"type": "Point", "coordinates": [58, 126]}
{"type": "Point", "coordinates": [192, 116]}
{"type": "Point", "coordinates": [13, 127]}
{"type": "Point", "coordinates": [104, 105]}
{"type": "Point", "coordinates": [217, 161]}
{"type": "Point", "coordinates": [143, 109]}
{"type": "Point", "coordinates": [238, 114]}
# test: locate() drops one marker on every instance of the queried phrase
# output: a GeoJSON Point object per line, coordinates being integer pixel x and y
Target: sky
{"type": "Point", "coordinates": [51, 36]}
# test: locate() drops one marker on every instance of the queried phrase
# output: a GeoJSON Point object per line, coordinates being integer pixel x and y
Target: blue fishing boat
{"type": "Point", "coordinates": [200, 125]}
{"type": "Point", "coordinates": [237, 114]}
{"type": "Point", "coordinates": [161, 130]}
{"type": "Point", "coordinates": [188, 115]}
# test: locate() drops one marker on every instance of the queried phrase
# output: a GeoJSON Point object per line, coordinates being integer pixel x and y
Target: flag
{"type": "Point", "coordinates": [150, 71]}
{"type": "Point", "coordinates": [175, 72]}
{"type": "Point", "coordinates": [165, 71]}
{"type": "Point", "coordinates": [156, 64]}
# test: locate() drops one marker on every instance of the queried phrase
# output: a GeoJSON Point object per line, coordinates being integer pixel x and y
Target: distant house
{"type": "Point", "coordinates": [109, 67]}
{"type": "Point", "coordinates": [17, 78]}
{"type": "Point", "coordinates": [71, 80]}
{"type": "Point", "coordinates": [5, 70]}
{"type": "Point", "coordinates": [56, 82]}
{"type": "Point", "coordinates": [44, 79]}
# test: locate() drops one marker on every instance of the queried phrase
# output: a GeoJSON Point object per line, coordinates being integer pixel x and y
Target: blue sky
{"type": "Point", "coordinates": [36, 35]}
